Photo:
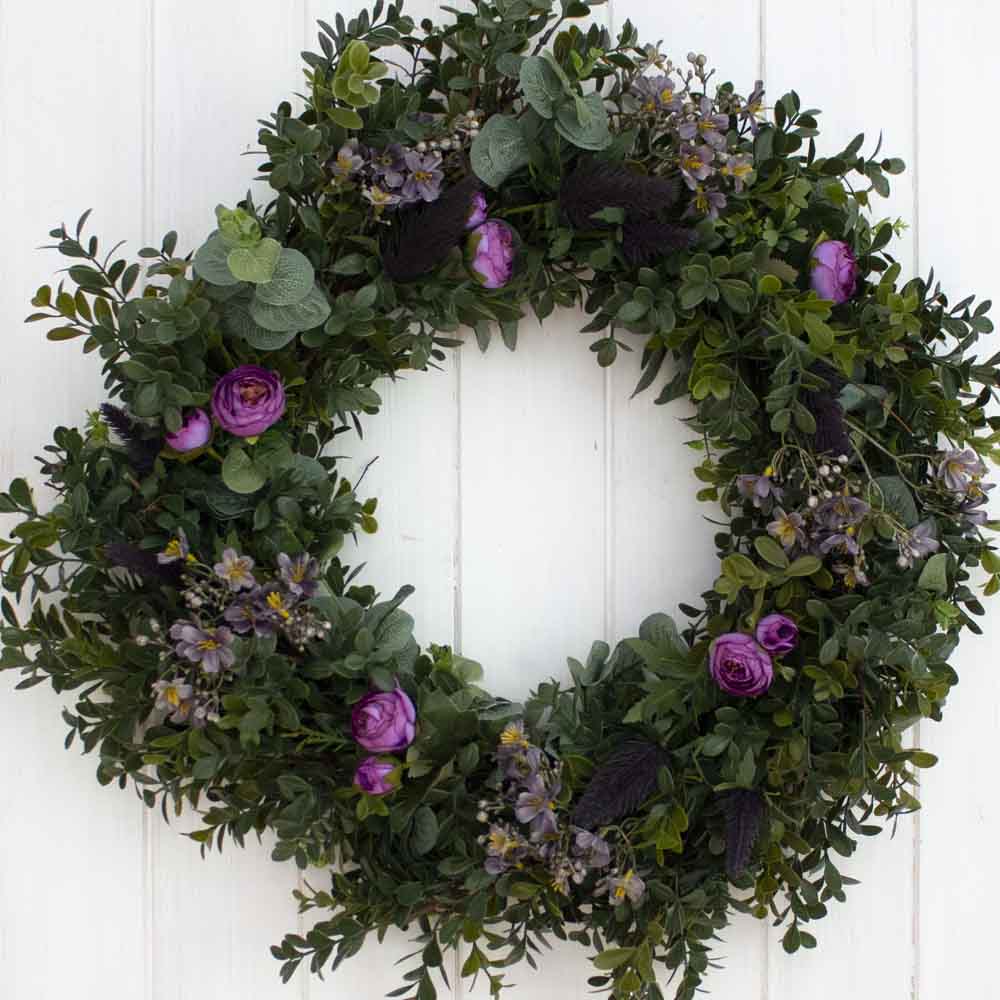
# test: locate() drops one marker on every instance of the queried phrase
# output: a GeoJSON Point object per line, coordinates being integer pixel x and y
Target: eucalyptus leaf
{"type": "Point", "coordinates": [239, 473]}
{"type": "Point", "coordinates": [311, 312]}
{"type": "Point", "coordinates": [291, 282]}
{"type": "Point", "coordinates": [255, 264]}
{"type": "Point", "coordinates": [499, 150]}
{"type": "Point", "coordinates": [211, 262]}
{"type": "Point", "coordinates": [541, 87]}
{"type": "Point", "coordinates": [594, 134]}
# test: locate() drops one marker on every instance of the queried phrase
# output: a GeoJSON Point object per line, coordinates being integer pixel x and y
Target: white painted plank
{"type": "Point", "coordinates": [71, 867]}
{"type": "Point", "coordinates": [866, 944]}
{"type": "Point", "coordinates": [960, 821]}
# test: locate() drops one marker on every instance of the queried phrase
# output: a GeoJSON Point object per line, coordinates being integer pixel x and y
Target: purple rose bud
{"type": "Point", "coordinates": [247, 400]}
{"type": "Point", "coordinates": [372, 776]}
{"type": "Point", "coordinates": [739, 666]}
{"type": "Point", "coordinates": [490, 253]}
{"type": "Point", "coordinates": [384, 721]}
{"type": "Point", "coordinates": [477, 211]}
{"type": "Point", "coordinates": [195, 432]}
{"type": "Point", "coordinates": [777, 634]}
{"type": "Point", "coordinates": [835, 271]}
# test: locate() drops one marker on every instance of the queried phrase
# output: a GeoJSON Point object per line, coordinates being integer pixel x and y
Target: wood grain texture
{"type": "Point", "coordinates": [532, 503]}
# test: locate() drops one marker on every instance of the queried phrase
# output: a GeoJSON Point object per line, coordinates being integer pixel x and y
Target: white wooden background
{"type": "Point", "coordinates": [534, 506]}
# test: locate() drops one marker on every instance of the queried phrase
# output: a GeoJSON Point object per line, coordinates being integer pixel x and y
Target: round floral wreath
{"type": "Point", "coordinates": [226, 657]}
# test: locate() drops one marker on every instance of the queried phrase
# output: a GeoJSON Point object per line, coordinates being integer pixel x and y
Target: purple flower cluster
{"type": "Point", "coordinates": [528, 825]}
{"type": "Point", "coordinates": [226, 600]}
{"type": "Point", "coordinates": [701, 127]}
{"type": "Point", "coordinates": [394, 175]}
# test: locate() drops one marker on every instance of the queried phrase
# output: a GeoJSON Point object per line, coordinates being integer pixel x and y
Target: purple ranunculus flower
{"type": "Point", "coordinates": [477, 211]}
{"type": "Point", "coordinates": [195, 432]}
{"type": "Point", "coordinates": [490, 253]}
{"type": "Point", "coordinates": [777, 634]}
{"type": "Point", "coordinates": [248, 400]}
{"type": "Point", "coordinates": [835, 271]}
{"type": "Point", "coordinates": [739, 666]}
{"type": "Point", "coordinates": [384, 721]}
{"type": "Point", "coordinates": [372, 776]}
{"type": "Point", "coordinates": [208, 647]}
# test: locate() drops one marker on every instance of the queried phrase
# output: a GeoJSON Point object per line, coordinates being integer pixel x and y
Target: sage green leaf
{"type": "Point", "coordinates": [237, 322]}
{"type": "Point", "coordinates": [210, 262]}
{"type": "Point", "coordinates": [237, 227]}
{"type": "Point", "coordinates": [770, 551]}
{"type": "Point", "coordinates": [291, 282]}
{"type": "Point", "coordinates": [255, 264]}
{"type": "Point", "coordinates": [346, 118]}
{"type": "Point", "coordinates": [541, 87]}
{"type": "Point", "coordinates": [611, 958]}
{"type": "Point", "coordinates": [239, 473]}
{"type": "Point", "coordinates": [311, 312]}
{"type": "Point", "coordinates": [425, 831]}
{"type": "Point", "coordinates": [592, 134]}
{"type": "Point", "coordinates": [894, 496]}
{"type": "Point", "coordinates": [499, 150]}
{"type": "Point", "coordinates": [934, 575]}
{"type": "Point", "coordinates": [804, 566]}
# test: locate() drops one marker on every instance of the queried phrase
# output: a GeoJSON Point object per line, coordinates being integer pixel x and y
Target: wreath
{"type": "Point", "coordinates": [226, 657]}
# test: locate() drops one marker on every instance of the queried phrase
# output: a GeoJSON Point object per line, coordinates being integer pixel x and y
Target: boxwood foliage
{"type": "Point", "coordinates": [756, 804]}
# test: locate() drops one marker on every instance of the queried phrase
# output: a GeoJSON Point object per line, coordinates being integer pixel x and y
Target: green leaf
{"type": "Point", "coordinates": [934, 575]}
{"type": "Point", "coordinates": [897, 499]}
{"type": "Point", "coordinates": [237, 227]}
{"type": "Point", "coordinates": [239, 473]}
{"type": "Point", "coordinates": [804, 566]}
{"type": "Point", "coordinates": [256, 264]}
{"type": "Point", "coordinates": [499, 150]}
{"type": "Point", "coordinates": [237, 322]}
{"type": "Point", "coordinates": [346, 118]}
{"type": "Point", "coordinates": [594, 135]}
{"type": "Point", "coordinates": [425, 830]}
{"type": "Point", "coordinates": [291, 282]}
{"type": "Point", "coordinates": [612, 958]}
{"type": "Point", "coordinates": [770, 551]}
{"type": "Point", "coordinates": [210, 262]}
{"type": "Point", "coordinates": [540, 85]}
{"type": "Point", "coordinates": [311, 312]}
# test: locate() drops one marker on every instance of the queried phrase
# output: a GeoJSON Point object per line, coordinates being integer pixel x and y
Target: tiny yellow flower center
{"type": "Point", "coordinates": [172, 697]}
{"type": "Point", "coordinates": [208, 644]}
{"type": "Point", "coordinates": [667, 94]}
{"type": "Point", "coordinates": [275, 603]}
{"type": "Point", "coordinates": [422, 175]}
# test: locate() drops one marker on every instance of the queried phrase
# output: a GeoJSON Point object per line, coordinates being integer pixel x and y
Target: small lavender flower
{"type": "Point", "coordinates": [739, 167]}
{"type": "Point", "coordinates": [657, 93]}
{"type": "Point", "coordinates": [208, 647]}
{"type": "Point", "coordinates": [177, 549]}
{"type": "Point", "coordinates": [347, 161]}
{"type": "Point", "coordinates": [840, 542]}
{"type": "Point", "coordinates": [628, 886]}
{"type": "Point", "coordinates": [246, 615]}
{"type": "Point", "coordinates": [536, 806]}
{"type": "Point", "coordinates": [173, 696]}
{"type": "Point", "coordinates": [762, 490]}
{"type": "Point", "coordinates": [841, 512]}
{"type": "Point", "coordinates": [976, 498]}
{"type": "Point", "coordinates": [299, 574]}
{"type": "Point", "coordinates": [707, 124]}
{"type": "Point", "coordinates": [706, 202]}
{"type": "Point", "coordinates": [917, 543]}
{"type": "Point", "coordinates": [787, 528]}
{"type": "Point", "coordinates": [389, 166]}
{"type": "Point", "coordinates": [503, 848]}
{"type": "Point", "coordinates": [424, 180]}
{"type": "Point", "coordinates": [235, 570]}
{"type": "Point", "coordinates": [960, 469]}
{"type": "Point", "coordinates": [275, 603]}
{"type": "Point", "coordinates": [754, 107]}
{"type": "Point", "coordinates": [696, 164]}
{"type": "Point", "coordinates": [593, 849]}
{"type": "Point", "coordinates": [380, 198]}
